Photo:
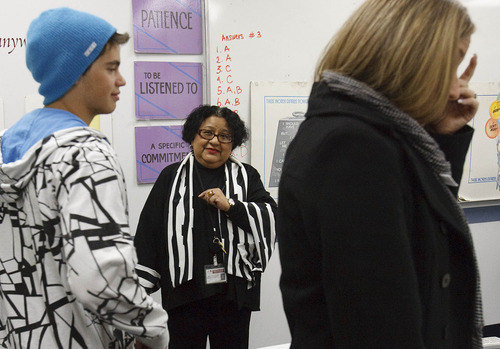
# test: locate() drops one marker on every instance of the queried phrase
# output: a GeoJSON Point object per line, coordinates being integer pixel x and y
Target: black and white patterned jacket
{"type": "Point", "coordinates": [67, 262]}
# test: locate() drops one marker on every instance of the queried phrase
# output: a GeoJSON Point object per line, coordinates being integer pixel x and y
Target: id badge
{"type": "Point", "coordinates": [215, 274]}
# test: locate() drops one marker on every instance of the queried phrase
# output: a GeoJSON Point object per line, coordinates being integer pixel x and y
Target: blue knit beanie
{"type": "Point", "coordinates": [61, 44]}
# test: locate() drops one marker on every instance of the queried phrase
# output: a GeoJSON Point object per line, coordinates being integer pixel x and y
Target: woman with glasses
{"type": "Point", "coordinates": [206, 234]}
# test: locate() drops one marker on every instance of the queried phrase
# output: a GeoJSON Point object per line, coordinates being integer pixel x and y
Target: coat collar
{"type": "Point", "coordinates": [436, 194]}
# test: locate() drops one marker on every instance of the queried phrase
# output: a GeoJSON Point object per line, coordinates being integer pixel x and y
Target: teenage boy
{"type": "Point", "coordinates": [67, 262]}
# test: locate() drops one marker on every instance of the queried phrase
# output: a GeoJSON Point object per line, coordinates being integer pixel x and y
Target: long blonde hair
{"type": "Point", "coordinates": [405, 49]}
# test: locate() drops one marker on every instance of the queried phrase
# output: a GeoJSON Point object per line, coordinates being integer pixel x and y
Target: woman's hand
{"type": "Point", "coordinates": [459, 112]}
{"type": "Point", "coordinates": [216, 198]}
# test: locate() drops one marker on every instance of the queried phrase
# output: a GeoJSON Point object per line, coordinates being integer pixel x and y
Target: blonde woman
{"type": "Point", "coordinates": [377, 253]}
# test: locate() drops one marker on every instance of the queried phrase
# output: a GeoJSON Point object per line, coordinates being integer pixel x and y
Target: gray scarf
{"type": "Point", "coordinates": [425, 146]}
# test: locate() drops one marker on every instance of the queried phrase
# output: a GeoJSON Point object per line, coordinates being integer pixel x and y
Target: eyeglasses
{"type": "Point", "coordinates": [209, 135]}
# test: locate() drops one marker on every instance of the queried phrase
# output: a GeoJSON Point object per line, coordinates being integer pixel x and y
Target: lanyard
{"type": "Point", "coordinates": [217, 240]}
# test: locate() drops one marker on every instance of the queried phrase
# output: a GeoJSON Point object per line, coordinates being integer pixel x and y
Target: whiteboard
{"type": "Point", "coordinates": [281, 41]}
{"type": "Point", "coordinates": [293, 35]}
{"type": "Point", "coordinates": [262, 40]}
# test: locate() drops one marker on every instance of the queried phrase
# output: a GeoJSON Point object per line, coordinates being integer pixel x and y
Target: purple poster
{"type": "Point", "coordinates": [165, 90]}
{"type": "Point", "coordinates": [167, 26]}
{"type": "Point", "coordinates": [157, 147]}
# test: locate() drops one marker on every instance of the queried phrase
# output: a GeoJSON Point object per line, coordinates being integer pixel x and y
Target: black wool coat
{"type": "Point", "coordinates": [372, 253]}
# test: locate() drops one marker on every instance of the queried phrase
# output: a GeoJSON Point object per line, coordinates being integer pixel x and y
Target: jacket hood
{"type": "Point", "coordinates": [16, 175]}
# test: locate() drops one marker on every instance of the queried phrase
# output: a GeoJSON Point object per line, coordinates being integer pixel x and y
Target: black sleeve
{"type": "Point", "coordinates": [149, 236]}
{"type": "Point", "coordinates": [256, 193]}
{"type": "Point", "coordinates": [455, 148]}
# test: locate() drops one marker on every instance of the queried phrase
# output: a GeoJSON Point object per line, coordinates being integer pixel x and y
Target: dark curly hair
{"type": "Point", "coordinates": [199, 114]}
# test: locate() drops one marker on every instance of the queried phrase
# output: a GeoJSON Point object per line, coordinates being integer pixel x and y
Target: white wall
{"type": "Point", "coordinates": [269, 326]}
{"type": "Point", "coordinates": [487, 242]}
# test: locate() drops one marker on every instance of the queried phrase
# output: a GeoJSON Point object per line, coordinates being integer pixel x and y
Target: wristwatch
{"type": "Point", "coordinates": [231, 204]}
